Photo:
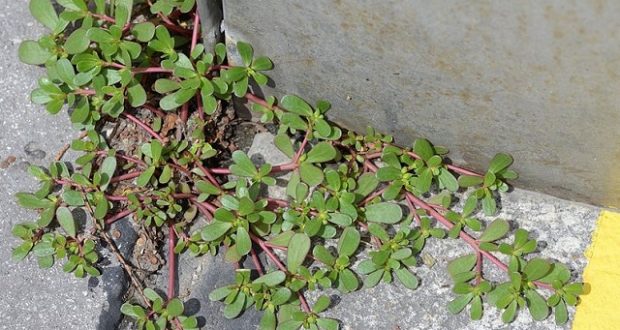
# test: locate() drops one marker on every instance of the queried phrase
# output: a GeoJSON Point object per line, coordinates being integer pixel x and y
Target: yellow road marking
{"type": "Point", "coordinates": [600, 304]}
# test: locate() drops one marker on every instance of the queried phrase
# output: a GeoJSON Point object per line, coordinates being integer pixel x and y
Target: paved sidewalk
{"type": "Point", "coordinates": [31, 298]}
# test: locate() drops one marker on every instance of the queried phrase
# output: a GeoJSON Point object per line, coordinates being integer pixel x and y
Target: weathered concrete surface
{"type": "Point", "coordinates": [210, 21]}
{"type": "Point", "coordinates": [537, 79]}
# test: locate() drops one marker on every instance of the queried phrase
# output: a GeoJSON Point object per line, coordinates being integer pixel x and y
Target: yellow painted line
{"type": "Point", "coordinates": [600, 304]}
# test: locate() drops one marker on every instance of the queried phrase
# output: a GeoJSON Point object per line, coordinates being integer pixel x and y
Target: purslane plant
{"type": "Point", "coordinates": [141, 63]}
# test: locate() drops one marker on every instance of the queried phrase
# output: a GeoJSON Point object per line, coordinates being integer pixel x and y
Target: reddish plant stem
{"type": "Point", "coordinates": [154, 69]}
{"type": "Point", "coordinates": [116, 198]}
{"type": "Point", "coordinates": [446, 223]}
{"type": "Point", "coordinates": [126, 28]}
{"type": "Point", "coordinates": [167, 22]}
{"type": "Point", "coordinates": [184, 113]}
{"type": "Point", "coordinates": [111, 20]}
{"type": "Point", "coordinates": [301, 148]}
{"type": "Point", "coordinates": [183, 196]}
{"type": "Point", "coordinates": [178, 29]}
{"type": "Point", "coordinates": [208, 206]}
{"type": "Point", "coordinates": [438, 207]}
{"type": "Point", "coordinates": [199, 108]}
{"type": "Point", "coordinates": [256, 261]}
{"type": "Point", "coordinates": [412, 209]}
{"type": "Point", "coordinates": [277, 202]}
{"type": "Point", "coordinates": [126, 176]}
{"type": "Point", "coordinates": [304, 303]}
{"type": "Point", "coordinates": [172, 261]}
{"type": "Point", "coordinates": [67, 182]}
{"type": "Point", "coordinates": [219, 67]}
{"type": "Point", "coordinates": [284, 167]}
{"type": "Point", "coordinates": [124, 157]}
{"type": "Point", "coordinates": [462, 171]}
{"type": "Point", "coordinates": [196, 31]}
{"type": "Point", "coordinates": [113, 218]}
{"type": "Point", "coordinates": [275, 169]}
{"type": "Point", "coordinates": [103, 18]}
{"type": "Point", "coordinates": [84, 92]}
{"type": "Point", "coordinates": [114, 65]}
{"type": "Point", "coordinates": [207, 173]}
{"type": "Point", "coordinates": [372, 196]}
{"type": "Point", "coordinates": [220, 171]}
{"type": "Point", "coordinates": [268, 252]}
{"type": "Point", "coordinates": [119, 198]}
{"type": "Point", "coordinates": [181, 169]}
{"type": "Point", "coordinates": [478, 268]}
{"type": "Point", "coordinates": [165, 19]}
{"type": "Point", "coordinates": [372, 167]}
{"type": "Point", "coordinates": [146, 127]}
{"type": "Point", "coordinates": [202, 209]}
{"type": "Point", "coordinates": [365, 168]}
{"type": "Point", "coordinates": [255, 99]}
{"type": "Point", "coordinates": [154, 110]}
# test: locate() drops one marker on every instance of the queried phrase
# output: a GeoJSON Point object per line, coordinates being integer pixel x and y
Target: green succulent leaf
{"type": "Point", "coordinates": [561, 313]}
{"type": "Point", "coordinates": [409, 280]}
{"type": "Point", "coordinates": [500, 162]}
{"type": "Point", "coordinates": [349, 241]}
{"type": "Point", "coordinates": [44, 12]}
{"type": "Point", "coordinates": [298, 248]}
{"type": "Point", "coordinates": [236, 307]}
{"type": "Point", "coordinates": [30, 52]}
{"type": "Point", "coordinates": [423, 148]}
{"type": "Point", "coordinates": [246, 52]}
{"type": "Point", "coordinates": [321, 304]}
{"type": "Point", "coordinates": [461, 265]}
{"type": "Point", "coordinates": [310, 174]}
{"type": "Point", "coordinates": [136, 95]}
{"type": "Point", "coordinates": [384, 212]}
{"type": "Point", "coordinates": [320, 153]}
{"type": "Point", "coordinates": [143, 31]}
{"type": "Point", "coordinates": [243, 242]}
{"type": "Point", "coordinates": [537, 305]}
{"type": "Point", "coordinates": [243, 165]}
{"type": "Point", "coordinates": [272, 279]}
{"type": "Point", "coordinates": [77, 42]}
{"type": "Point", "coordinates": [296, 105]}
{"type": "Point", "coordinates": [215, 230]}
{"type": "Point", "coordinates": [175, 307]}
{"type": "Point", "coordinates": [536, 269]}
{"type": "Point", "coordinates": [66, 220]}
{"type": "Point", "coordinates": [458, 304]}
{"type": "Point", "coordinates": [469, 181]}
{"type": "Point", "coordinates": [496, 230]}
{"type": "Point", "coordinates": [283, 142]}
{"type": "Point", "coordinates": [30, 201]}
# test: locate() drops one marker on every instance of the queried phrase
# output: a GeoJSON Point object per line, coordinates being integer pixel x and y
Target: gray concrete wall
{"type": "Point", "coordinates": [537, 79]}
